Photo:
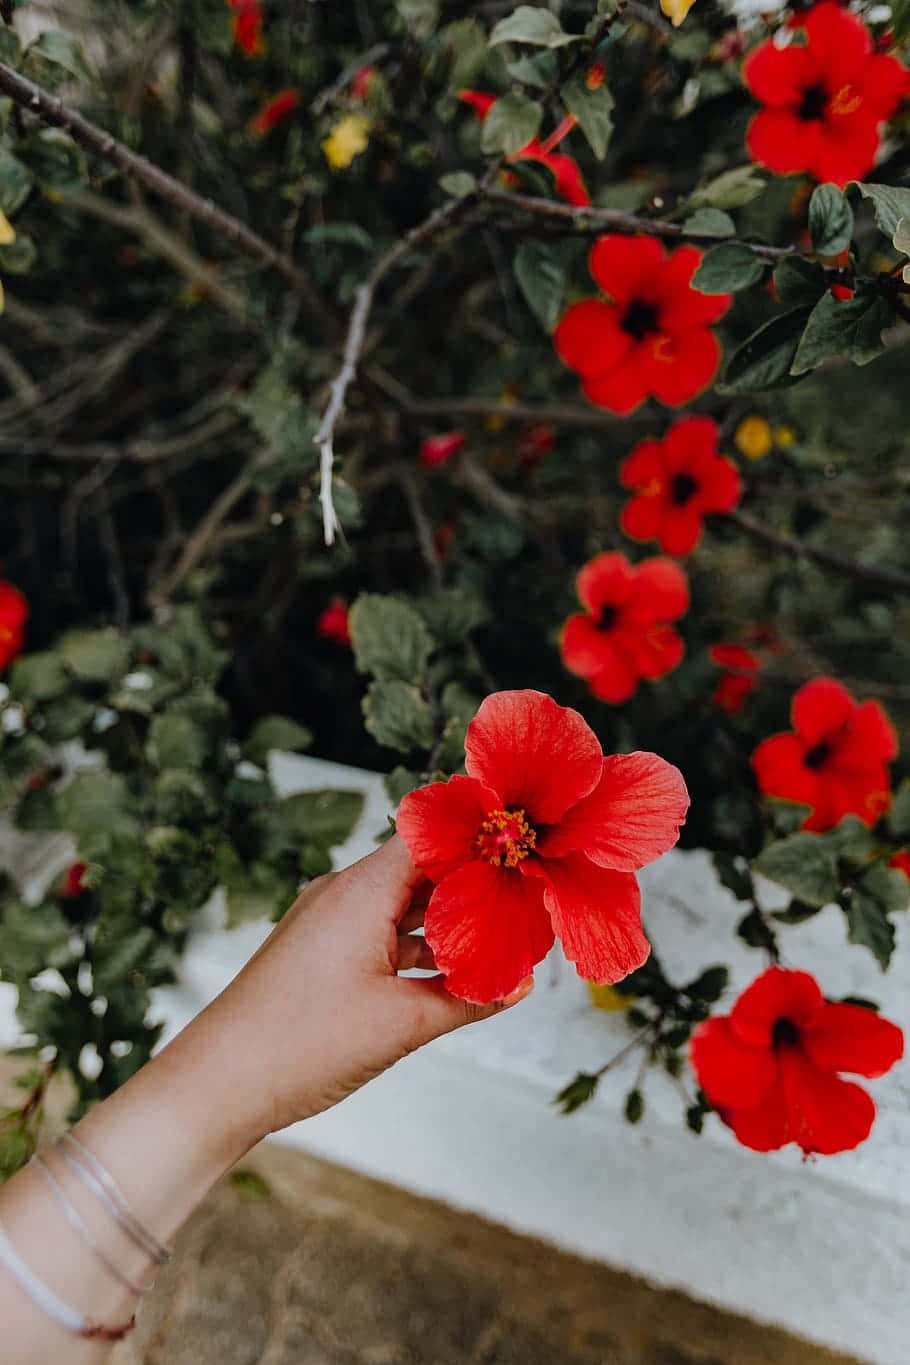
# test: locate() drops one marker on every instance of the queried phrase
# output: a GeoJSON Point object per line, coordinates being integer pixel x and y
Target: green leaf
{"type": "Point", "coordinates": [452, 613]}
{"type": "Point", "coordinates": [805, 864]}
{"type": "Point", "coordinates": [510, 125]}
{"type": "Point", "coordinates": [727, 267]}
{"type": "Point", "coordinates": [868, 925]}
{"type": "Point", "coordinates": [38, 677]}
{"type": "Point", "coordinates": [528, 24]}
{"type": "Point", "coordinates": [399, 782]}
{"type": "Point", "coordinates": [54, 160]}
{"type": "Point", "coordinates": [420, 17]}
{"type": "Point", "coordinates": [577, 1092]}
{"type": "Point", "coordinates": [901, 241]}
{"type": "Point", "coordinates": [850, 839]}
{"type": "Point", "coordinates": [323, 818]}
{"type": "Point", "coordinates": [389, 638]}
{"type": "Point", "coordinates": [848, 327]}
{"type": "Point", "coordinates": [61, 50]}
{"type": "Point", "coordinates": [458, 184]}
{"type": "Point", "coordinates": [890, 203]}
{"type": "Point", "coordinates": [594, 111]}
{"type": "Point", "coordinates": [763, 360]}
{"type": "Point", "coordinates": [798, 281]}
{"type": "Point", "coordinates": [635, 1106]}
{"type": "Point", "coordinates": [830, 220]}
{"type": "Point", "coordinates": [709, 985]}
{"type": "Point", "coordinates": [465, 41]}
{"type": "Point", "coordinates": [797, 912]}
{"type": "Point", "coordinates": [900, 21]}
{"type": "Point", "coordinates": [709, 222]}
{"type": "Point", "coordinates": [276, 732]}
{"type": "Point", "coordinates": [899, 814]}
{"type": "Point", "coordinates": [180, 794]}
{"type": "Point", "coordinates": [729, 190]}
{"type": "Point", "coordinates": [95, 655]}
{"type": "Point", "coordinates": [539, 70]}
{"type": "Point", "coordinates": [10, 47]}
{"type": "Point", "coordinates": [94, 807]}
{"type": "Point", "coordinates": [735, 875]}
{"type": "Point", "coordinates": [888, 885]}
{"type": "Point", "coordinates": [176, 741]}
{"type": "Point", "coordinates": [397, 716]}
{"type": "Point", "coordinates": [754, 931]}
{"type": "Point", "coordinates": [249, 1183]}
{"type": "Point", "coordinates": [32, 937]}
{"type": "Point", "coordinates": [541, 277]}
{"type": "Point", "coordinates": [15, 183]}
{"type": "Point", "coordinates": [344, 234]}
{"type": "Point", "coordinates": [18, 257]}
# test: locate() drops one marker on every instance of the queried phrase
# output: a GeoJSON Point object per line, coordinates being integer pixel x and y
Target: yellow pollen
{"type": "Point", "coordinates": [663, 349]}
{"type": "Point", "coordinates": [846, 101]}
{"type": "Point", "coordinates": [5, 633]}
{"type": "Point", "coordinates": [504, 838]}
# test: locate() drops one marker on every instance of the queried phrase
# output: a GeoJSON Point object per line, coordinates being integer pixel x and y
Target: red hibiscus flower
{"type": "Point", "coordinates": [71, 885]}
{"type": "Point", "coordinates": [770, 1067]}
{"type": "Point", "coordinates": [651, 336]}
{"type": "Point", "coordinates": [835, 762]}
{"type": "Point", "coordinates": [360, 85]}
{"type": "Point", "coordinates": [534, 443]}
{"type": "Point", "coordinates": [568, 181]}
{"type": "Point", "coordinates": [273, 111]}
{"type": "Point", "coordinates": [824, 99]}
{"type": "Point", "coordinates": [13, 616]}
{"type": "Point", "coordinates": [543, 837]}
{"type": "Point", "coordinates": [901, 861]}
{"type": "Point", "coordinates": [680, 480]}
{"type": "Point", "coordinates": [733, 688]}
{"type": "Point", "coordinates": [333, 623]}
{"type": "Point", "coordinates": [438, 449]}
{"type": "Point", "coordinates": [624, 634]}
{"type": "Point", "coordinates": [248, 26]}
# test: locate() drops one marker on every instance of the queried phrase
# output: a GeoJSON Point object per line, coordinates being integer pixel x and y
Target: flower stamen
{"type": "Point", "coordinates": [504, 838]}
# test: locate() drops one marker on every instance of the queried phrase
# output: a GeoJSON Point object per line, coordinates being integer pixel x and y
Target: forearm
{"type": "Point", "coordinates": [165, 1137]}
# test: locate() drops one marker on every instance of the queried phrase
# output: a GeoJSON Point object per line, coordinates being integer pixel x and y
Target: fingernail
{"type": "Point", "coordinates": [521, 990]}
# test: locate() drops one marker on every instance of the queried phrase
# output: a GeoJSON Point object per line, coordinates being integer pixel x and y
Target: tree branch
{"type": "Point", "coordinates": [867, 573]}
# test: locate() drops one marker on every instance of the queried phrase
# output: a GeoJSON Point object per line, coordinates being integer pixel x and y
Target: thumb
{"type": "Point", "coordinates": [437, 1011]}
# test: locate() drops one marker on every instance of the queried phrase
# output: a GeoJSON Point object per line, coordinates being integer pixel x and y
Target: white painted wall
{"type": "Point", "coordinates": [822, 1249]}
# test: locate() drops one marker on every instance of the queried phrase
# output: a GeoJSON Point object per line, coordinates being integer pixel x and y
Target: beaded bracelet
{"type": "Point", "coordinates": [48, 1302]}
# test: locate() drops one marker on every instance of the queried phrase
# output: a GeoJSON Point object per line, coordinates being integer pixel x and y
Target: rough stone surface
{"type": "Point", "coordinates": [325, 1267]}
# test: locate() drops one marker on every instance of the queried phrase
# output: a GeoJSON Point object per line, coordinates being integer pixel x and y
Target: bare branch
{"type": "Point", "coordinates": [801, 549]}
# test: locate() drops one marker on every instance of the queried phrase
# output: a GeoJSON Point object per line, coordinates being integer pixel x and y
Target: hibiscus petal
{"type": "Point", "coordinates": [680, 365]}
{"type": "Point", "coordinates": [782, 142]}
{"type": "Point", "coordinates": [825, 1114]}
{"type": "Point", "coordinates": [596, 913]}
{"type": "Point", "coordinates": [568, 181]}
{"type": "Point", "coordinates": [838, 43]}
{"type": "Point", "coordinates": [14, 608]}
{"type": "Point", "coordinates": [870, 740]}
{"type": "Point", "coordinates": [777, 994]}
{"type": "Point", "coordinates": [589, 339]}
{"type": "Point", "coordinates": [765, 1127]}
{"type": "Point", "coordinates": [623, 389]}
{"type": "Point", "coordinates": [866, 795]}
{"type": "Point", "coordinates": [850, 1038]}
{"type": "Point", "coordinates": [618, 681]}
{"type": "Point", "coordinates": [883, 82]}
{"type": "Point", "coordinates": [690, 445]}
{"type": "Point", "coordinates": [731, 1074]}
{"type": "Point", "coordinates": [681, 531]}
{"type": "Point", "coordinates": [654, 649]}
{"type": "Point", "coordinates": [680, 305]}
{"type": "Point", "coordinates": [646, 462]}
{"type": "Point", "coordinates": [721, 486]}
{"type": "Point", "coordinates": [607, 579]}
{"type": "Point", "coordinates": [630, 818]}
{"type": "Point", "coordinates": [643, 517]}
{"type": "Point", "coordinates": [780, 771]}
{"type": "Point", "coordinates": [820, 707]}
{"type": "Point", "coordinates": [584, 648]}
{"type": "Point", "coordinates": [439, 823]}
{"type": "Point", "coordinates": [661, 591]}
{"type": "Point", "coordinates": [487, 927]}
{"type": "Point", "coordinates": [777, 76]}
{"type": "Point", "coordinates": [540, 757]}
{"type": "Point", "coordinates": [625, 267]}
{"type": "Point", "coordinates": [847, 149]}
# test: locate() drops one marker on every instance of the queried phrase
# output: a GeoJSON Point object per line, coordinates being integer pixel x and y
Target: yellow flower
{"type": "Point", "coordinates": [7, 231]}
{"type": "Point", "coordinates": [753, 437]}
{"type": "Point", "coordinates": [608, 998]}
{"type": "Point", "coordinates": [347, 139]}
{"type": "Point", "coordinates": [676, 10]}
{"type": "Point", "coordinates": [785, 437]}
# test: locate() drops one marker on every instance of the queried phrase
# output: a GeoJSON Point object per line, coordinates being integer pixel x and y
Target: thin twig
{"type": "Point", "coordinates": [868, 573]}
{"type": "Point", "coordinates": [422, 528]}
{"type": "Point", "coordinates": [52, 111]}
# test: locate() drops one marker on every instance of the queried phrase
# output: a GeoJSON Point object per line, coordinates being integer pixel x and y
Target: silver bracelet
{"type": "Point", "coordinates": [47, 1301]}
{"type": "Point", "coordinates": [91, 1172]}
{"type": "Point", "coordinates": [78, 1224]}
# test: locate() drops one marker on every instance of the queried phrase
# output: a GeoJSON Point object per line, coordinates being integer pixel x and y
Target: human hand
{"type": "Point", "coordinates": [319, 1010]}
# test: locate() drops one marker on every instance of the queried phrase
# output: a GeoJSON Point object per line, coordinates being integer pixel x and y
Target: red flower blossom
{"type": "Point", "coordinates": [680, 479]}
{"type": "Point", "coordinates": [901, 861]}
{"type": "Point", "coordinates": [652, 336]}
{"type": "Point", "coordinates": [71, 885]}
{"type": "Point", "coordinates": [733, 688]}
{"type": "Point", "coordinates": [770, 1067]}
{"type": "Point", "coordinates": [542, 837]}
{"type": "Point", "coordinates": [248, 26]}
{"type": "Point", "coordinates": [13, 616]}
{"type": "Point", "coordinates": [273, 111]}
{"type": "Point", "coordinates": [438, 449]}
{"type": "Point", "coordinates": [835, 762]}
{"type": "Point", "coordinates": [333, 623]}
{"type": "Point", "coordinates": [360, 85]}
{"type": "Point", "coordinates": [824, 99]}
{"type": "Point", "coordinates": [568, 181]}
{"type": "Point", "coordinates": [534, 443]}
{"type": "Point", "coordinates": [624, 634]}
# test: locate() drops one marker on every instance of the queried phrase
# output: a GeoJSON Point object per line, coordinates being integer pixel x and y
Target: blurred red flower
{"type": "Point", "coordinates": [534, 443]}
{"type": "Point", "coordinates": [248, 26]}
{"type": "Point", "coordinates": [273, 111]}
{"type": "Point", "coordinates": [901, 861]}
{"type": "Point", "coordinates": [542, 837]}
{"type": "Point", "coordinates": [71, 885]}
{"type": "Point", "coordinates": [438, 449]}
{"type": "Point", "coordinates": [680, 480]}
{"type": "Point", "coordinates": [733, 688]}
{"type": "Point", "coordinates": [333, 622]}
{"type": "Point", "coordinates": [770, 1067]}
{"type": "Point", "coordinates": [835, 761]}
{"type": "Point", "coordinates": [13, 616]}
{"type": "Point", "coordinates": [824, 99]}
{"type": "Point", "coordinates": [651, 336]}
{"type": "Point", "coordinates": [624, 634]}
{"type": "Point", "coordinates": [568, 181]}
{"type": "Point", "coordinates": [360, 85]}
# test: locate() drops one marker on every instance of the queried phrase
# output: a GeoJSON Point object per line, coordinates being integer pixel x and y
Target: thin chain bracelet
{"type": "Point", "coordinates": [78, 1224]}
{"type": "Point", "coordinates": [45, 1299]}
{"type": "Point", "coordinates": [103, 1185]}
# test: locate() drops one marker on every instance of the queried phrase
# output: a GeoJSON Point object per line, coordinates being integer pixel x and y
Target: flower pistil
{"type": "Point", "coordinates": [504, 838]}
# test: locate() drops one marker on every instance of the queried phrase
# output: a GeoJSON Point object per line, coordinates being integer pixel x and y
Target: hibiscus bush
{"type": "Point", "coordinates": [509, 398]}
